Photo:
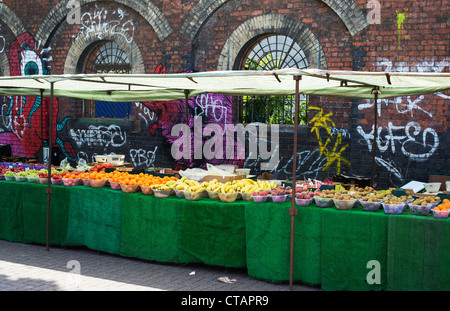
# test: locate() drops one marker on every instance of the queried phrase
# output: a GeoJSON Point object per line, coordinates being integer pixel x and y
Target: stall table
{"type": "Point", "coordinates": [334, 249]}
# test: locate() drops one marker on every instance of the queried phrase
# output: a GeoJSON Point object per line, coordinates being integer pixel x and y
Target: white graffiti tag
{"type": "Point", "coordinates": [410, 140]}
{"type": "Point", "coordinates": [146, 114]}
{"type": "Point", "coordinates": [207, 104]}
{"type": "Point", "coordinates": [141, 157]}
{"type": "Point", "coordinates": [99, 136]}
{"type": "Point", "coordinates": [99, 23]}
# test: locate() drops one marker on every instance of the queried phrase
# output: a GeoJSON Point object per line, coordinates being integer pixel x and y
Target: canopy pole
{"type": "Point", "coordinates": [186, 98]}
{"type": "Point", "coordinates": [375, 135]}
{"type": "Point", "coordinates": [42, 125]}
{"type": "Point", "coordinates": [49, 177]}
{"type": "Point", "coordinates": [293, 209]}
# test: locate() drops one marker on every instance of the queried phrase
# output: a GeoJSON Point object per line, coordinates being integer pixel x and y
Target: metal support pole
{"type": "Point", "coordinates": [293, 209]}
{"type": "Point", "coordinates": [375, 136]}
{"type": "Point", "coordinates": [49, 177]}
{"type": "Point", "coordinates": [42, 125]}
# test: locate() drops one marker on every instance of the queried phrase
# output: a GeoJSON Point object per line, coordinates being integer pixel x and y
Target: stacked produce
{"type": "Point", "coordinates": [258, 191]}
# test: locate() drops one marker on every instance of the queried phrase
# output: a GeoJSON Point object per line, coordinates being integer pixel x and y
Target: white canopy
{"type": "Point", "coordinates": [163, 87]}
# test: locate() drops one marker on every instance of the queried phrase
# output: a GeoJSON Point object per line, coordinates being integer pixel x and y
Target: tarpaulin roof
{"type": "Point", "coordinates": [155, 87]}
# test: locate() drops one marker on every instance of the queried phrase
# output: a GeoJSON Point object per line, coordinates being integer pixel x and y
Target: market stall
{"type": "Point", "coordinates": [181, 86]}
{"type": "Point", "coordinates": [330, 251]}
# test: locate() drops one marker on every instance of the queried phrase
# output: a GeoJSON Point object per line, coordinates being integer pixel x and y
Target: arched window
{"type": "Point", "coordinates": [273, 52]}
{"type": "Point", "coordinates": [106, 57]}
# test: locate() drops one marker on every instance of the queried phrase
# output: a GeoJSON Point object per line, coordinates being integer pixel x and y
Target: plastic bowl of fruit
{"type": "Point", "coordinates": [57, 181]}
{"type": "Point", "coordinates": [260, 198]}
{"type": "Point", "coordinates": [420, 210]}
{"type": "Point", "coordinates": [344, 204]}
{"type": "Point", "coordinates": [98, 183]}
{"type": "Point", "coordinates": [86, 182]}
{"type": "Point", "coordinates": [129, 188]}
{"type": "Point", "coordinates": [20, 178]}
{"type": "Point", "coordinates": [162, 193]}
{"type": "Point", "coordinates": [228, 197]}
{"type": "Point", "coordinates": [70, 182]}
{"type": "Point", "coordinates": [393, 209]}
{"type": "Point", "coordinates": [193, 195]}
{"type": "Point", "coordinates": [43, 180]}
{"type": "Point", "coordinates": [147, 190]}
{"type": "Point", "coordinates": [33, 179]}
{"type": "Point", "coordinates": [439, 213]}
{"type": "Point", "coordinates": [213, 195]}
{"type": "Point", "coordinates": [10, 178]}
{"type": "Point", "coordinates": [303, 202]}
{"type": "Point", "coordinates": [247, 196]}
{"type": "Point", "coordinates": [370, 206]}
{"type": "Point", "coordinates": [115, 185]}
{"type": "Point", "coordinates": [323, 202]}
{"type": "Point", "coordinates": [179, 193]}
{"type": "Point", "coordinates": [279, 198]}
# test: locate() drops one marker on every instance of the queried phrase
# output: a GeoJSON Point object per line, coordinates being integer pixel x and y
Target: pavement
{"type": "Point", "coordinates": [29, 267]}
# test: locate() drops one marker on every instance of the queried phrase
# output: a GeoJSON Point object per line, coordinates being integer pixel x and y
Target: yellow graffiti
{"type": "Point", "coordinates": [333, 155]}
{"type": "Point", "coordinates": [401, 17]}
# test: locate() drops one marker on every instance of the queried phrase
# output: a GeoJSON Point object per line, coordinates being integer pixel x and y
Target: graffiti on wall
{"type": "Point", "coordinates": [413, 141]}
{"type": "Point", "coordinates": [401, 17]}
{"type": "Point", "coordinates": [160, 117]}
{"type": "Point", "coordinates": [24, 121]}
{"type": "Point", "coordinates": [332, 151]}
{"type": "Point", "coordinates": [100, 22]}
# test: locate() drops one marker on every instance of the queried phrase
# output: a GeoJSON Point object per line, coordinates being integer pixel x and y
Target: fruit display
{"type": "Point", "coordinates": [258, 191]}
{"type": "Point", "coordinates": [129, 188]}
{"type": "Point", "coordinates": [162, 193]}
{"type": "Point", "coordinates": [442, 210]}
{"type": "Point", "coordinates": [393, 208]}
{"type": "Point", "coordinates": [192, 195]}
{"type": "Point", "coordinates": [100, 167]}
{"type": "Point", "coordinates": [371, 206]}
{"type": "Point", "coordinates": [344, 203]}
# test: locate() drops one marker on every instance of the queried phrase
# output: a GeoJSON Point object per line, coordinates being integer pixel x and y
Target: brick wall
{"type": "Point", "coordinates": [179, 36]}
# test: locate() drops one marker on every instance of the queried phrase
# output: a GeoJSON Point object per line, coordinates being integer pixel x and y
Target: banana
{"type": "Point", "coordinates": [192, 183]}
{"type": "Point", "coordinates": [251, 181]}
{"type": "Point", "coordinates": [195, 188]}
{"type": "Point", "coordinates": [181, 186]}
{"type": "Point", "coordinates": [229, 188]}
{"type": "Point", "coordinates": [183, 179]}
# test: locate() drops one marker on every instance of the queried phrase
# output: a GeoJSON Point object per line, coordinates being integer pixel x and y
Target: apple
{"type": "Point", "coordinates": [307, 197]}
{"type": "Point", "coordinates": [255, 193]}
